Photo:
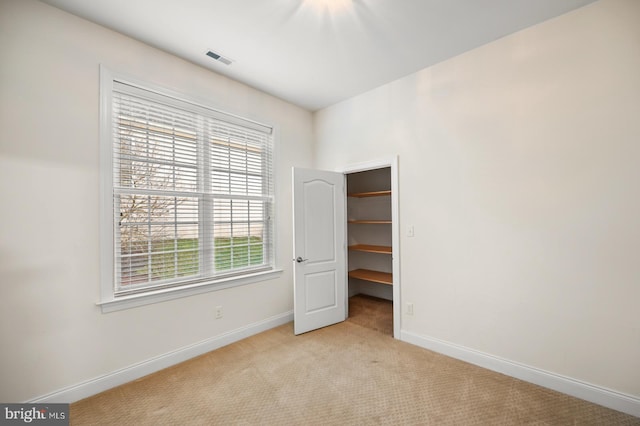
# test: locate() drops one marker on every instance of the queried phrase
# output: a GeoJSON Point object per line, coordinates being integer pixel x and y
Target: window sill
{"type": "Point", "coordinates": [132, 301]}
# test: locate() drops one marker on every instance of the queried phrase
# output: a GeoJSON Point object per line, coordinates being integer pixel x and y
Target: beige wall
{"type": "Point", "coordinates": [52, 334]}
{"type": "Point", "coordinates": [519, 168]}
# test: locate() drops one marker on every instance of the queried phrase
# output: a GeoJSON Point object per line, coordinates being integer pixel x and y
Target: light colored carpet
{"type": "Point", "coordinates": [347, 374]}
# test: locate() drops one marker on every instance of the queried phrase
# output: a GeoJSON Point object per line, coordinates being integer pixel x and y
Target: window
{"type": "Point", "coordinates": [189, 192]}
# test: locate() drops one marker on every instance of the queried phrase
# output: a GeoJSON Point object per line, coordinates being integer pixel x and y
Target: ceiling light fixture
{"type": "Point", "coordinates": [329, 5]}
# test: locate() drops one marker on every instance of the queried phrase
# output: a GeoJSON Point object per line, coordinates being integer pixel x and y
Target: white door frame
{"type": "Point", "coordinates": [395, 232]}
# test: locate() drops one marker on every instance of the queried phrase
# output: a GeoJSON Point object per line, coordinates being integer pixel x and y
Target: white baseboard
{"type": "Point", "coordinates": [598, 395]}
{"type": "Point", "coordinates": [136, 371]}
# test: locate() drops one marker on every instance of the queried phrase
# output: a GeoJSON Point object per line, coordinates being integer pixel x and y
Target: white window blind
{"type": "Point", "coordinates": [192, 192]}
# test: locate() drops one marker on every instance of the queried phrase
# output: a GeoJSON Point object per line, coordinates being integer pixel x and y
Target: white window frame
{"type": "Point", "coordinates": [109, 301]}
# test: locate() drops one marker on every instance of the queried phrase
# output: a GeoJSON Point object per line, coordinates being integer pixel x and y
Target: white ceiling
{"type": "Point", "coordinates": [315, 53]}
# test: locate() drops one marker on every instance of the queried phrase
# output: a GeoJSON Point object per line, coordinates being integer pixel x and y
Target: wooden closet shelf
{"type": "Point", "coordinates": [374, 276]}
{"type": "Point", "coordinates": [370, 194]}
{"type": "Point", "coordinates": [374, 222]}
{"type": "Point", "coordinates": [371, 248]}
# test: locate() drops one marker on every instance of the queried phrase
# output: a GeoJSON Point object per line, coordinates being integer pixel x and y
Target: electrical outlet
{"type": "Point", "coordinates": [218, 312]}
{"type": "Point", "coordinates": [409, 308]}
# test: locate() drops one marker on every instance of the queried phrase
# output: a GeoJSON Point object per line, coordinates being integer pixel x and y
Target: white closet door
{"type": "Point", "coordinates": [320, 296]}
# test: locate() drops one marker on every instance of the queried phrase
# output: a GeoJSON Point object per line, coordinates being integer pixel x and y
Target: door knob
{"type": "Point", "coordinates": [300, 260]}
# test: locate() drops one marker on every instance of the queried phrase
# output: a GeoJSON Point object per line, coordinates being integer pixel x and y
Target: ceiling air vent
{"type": "Point", "coordinates": [217, 57]}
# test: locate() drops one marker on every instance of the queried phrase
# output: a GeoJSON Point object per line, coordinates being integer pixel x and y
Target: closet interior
{"type": "Point", "coordinates": [369, 233]}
